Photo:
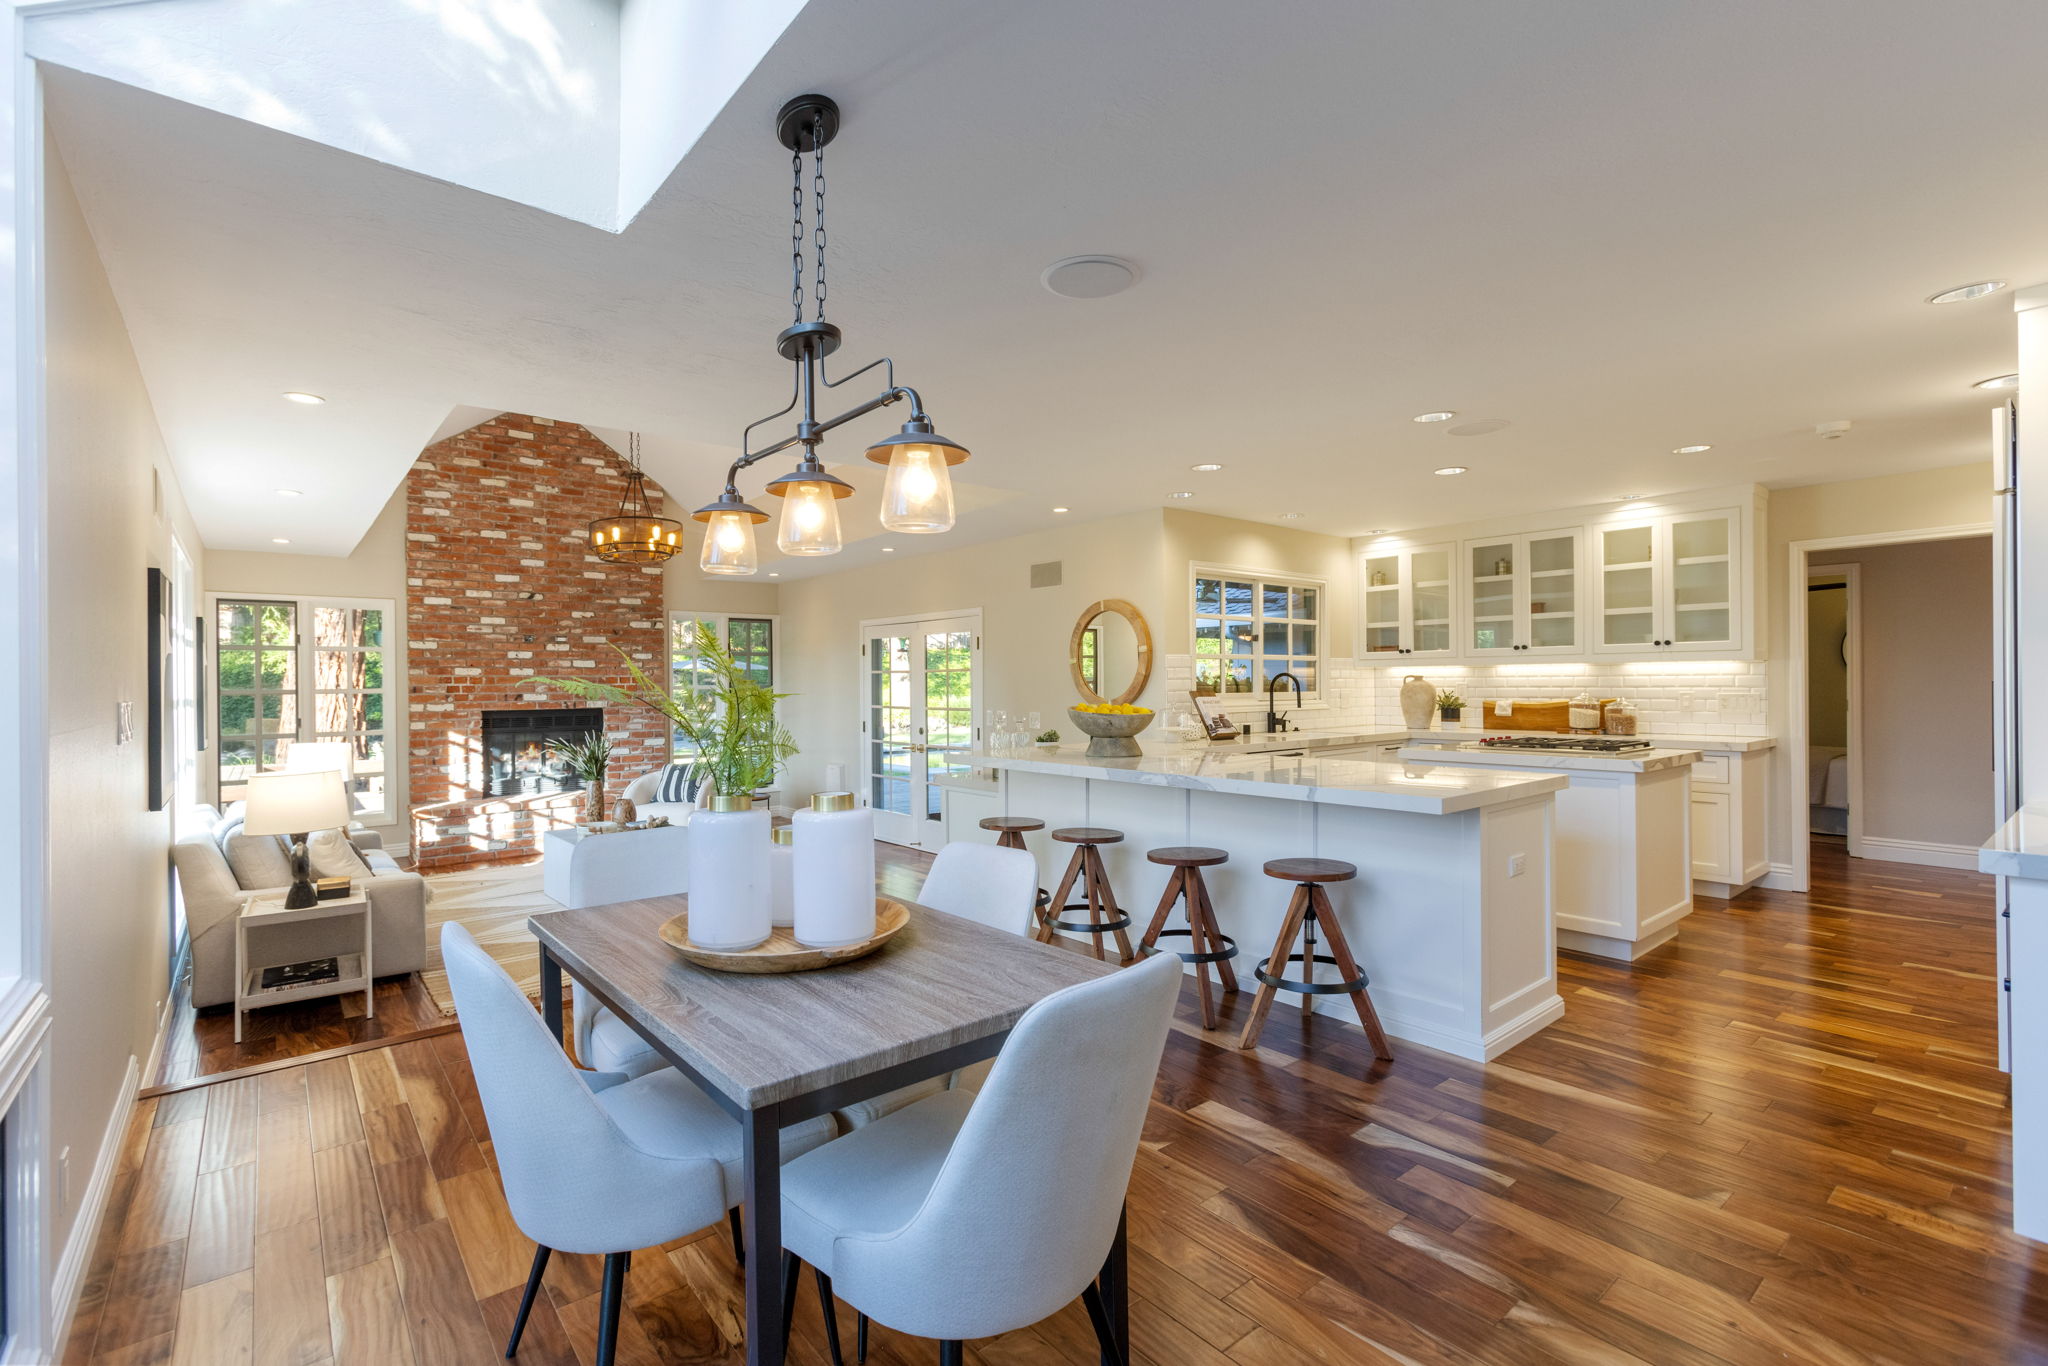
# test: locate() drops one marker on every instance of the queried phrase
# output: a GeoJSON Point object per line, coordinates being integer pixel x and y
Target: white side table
{"type": "Point", "coordinates": [269, 909]}
{"type": "Point", "coordinates": [580, 869]}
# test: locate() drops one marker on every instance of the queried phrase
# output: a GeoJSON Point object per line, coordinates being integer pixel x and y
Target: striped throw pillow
{"type": "Point", "coordinates": [679, 784]}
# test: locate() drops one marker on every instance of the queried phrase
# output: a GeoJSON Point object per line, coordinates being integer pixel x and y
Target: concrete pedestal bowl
{"type": "Point", "coordinates": [1109, 733]}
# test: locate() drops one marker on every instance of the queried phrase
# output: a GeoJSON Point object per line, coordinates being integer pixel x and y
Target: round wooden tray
{"type": "Point", "coordinates": [781, 952]}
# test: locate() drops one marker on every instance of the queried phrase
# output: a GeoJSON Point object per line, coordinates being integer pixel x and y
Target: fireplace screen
{"type": "Point", "coordinates": [516, 757]}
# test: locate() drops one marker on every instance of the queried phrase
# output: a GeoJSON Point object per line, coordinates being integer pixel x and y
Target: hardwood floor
{"type": "Point", "coordinates": [1781, 1138]}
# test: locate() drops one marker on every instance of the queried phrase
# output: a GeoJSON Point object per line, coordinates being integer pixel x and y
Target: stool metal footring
{"type": "Point", "coordinates": [1223, 955]}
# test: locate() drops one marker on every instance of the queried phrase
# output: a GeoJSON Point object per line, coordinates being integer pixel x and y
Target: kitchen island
{"type": "Point", "coordinates": [1450, 916]}
{"type": "Point", "coordinates": [1624, 837]}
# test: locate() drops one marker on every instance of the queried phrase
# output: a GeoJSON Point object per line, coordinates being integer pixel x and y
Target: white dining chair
{"type": "Point", "coordinates": [964, 1216]}
{"type": "Point", "coordinates": [979, 882]}
{"type": "Point", "coordinates": [592, 1161]}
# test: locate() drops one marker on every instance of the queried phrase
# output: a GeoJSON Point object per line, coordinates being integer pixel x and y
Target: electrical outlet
{"type": "Point", "coordinates": [1685, 701]}
{"type": "Point", "coordinates": [1518, 864]}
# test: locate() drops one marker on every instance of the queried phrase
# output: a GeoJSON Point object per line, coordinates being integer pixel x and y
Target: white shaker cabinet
{"type": "Point", "coordinates": [1670, 584]}
{"type": "Point", "coordinates": [1405, 603]}
{"type": "Point", "coordinates": [1525, 595]}
{"type": "Point", "coordinates": [1728, 828]}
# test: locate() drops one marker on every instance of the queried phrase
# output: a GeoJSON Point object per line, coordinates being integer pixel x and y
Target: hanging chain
{"type": "Point", "coordinates": [796, 233]}
{"type": "Point", "coordinates": [633, 449]}
{"type": "Point", "coordinates": [818, 234]}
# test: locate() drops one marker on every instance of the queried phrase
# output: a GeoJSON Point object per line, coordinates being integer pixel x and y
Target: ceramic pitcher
{"type": "Point", "coordinates": [1418, 701]}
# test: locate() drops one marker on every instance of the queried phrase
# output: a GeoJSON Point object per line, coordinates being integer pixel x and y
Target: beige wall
{"type": "Point", "coordinates": [1025, 629]}
{"type": "Point", "coordinates": [1827, 677]}
{"type": "Point", "coordinates": [1924, 614]}
{"type": "Point", "coordinates": [1953, 496]}
{"type": "Point", "coordinates": [109, 864]}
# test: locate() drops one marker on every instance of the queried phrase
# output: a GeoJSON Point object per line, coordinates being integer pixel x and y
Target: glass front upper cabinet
{"type": "Point", "coordinates": [1669, 583]}
{"type": "Point", "coordinates": [1405, 602]}
{"type": "Point", "coordinates": [1524, 594]}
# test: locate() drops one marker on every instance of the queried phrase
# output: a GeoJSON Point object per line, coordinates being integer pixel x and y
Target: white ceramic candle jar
{"type": "Point", "coordinates": [834, 869]}
{"type": "Point", "coordinates": [730, 875]}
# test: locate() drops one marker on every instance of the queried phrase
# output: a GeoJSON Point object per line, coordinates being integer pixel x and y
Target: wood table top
{"type": "Point", "coordinates": [941, 981]}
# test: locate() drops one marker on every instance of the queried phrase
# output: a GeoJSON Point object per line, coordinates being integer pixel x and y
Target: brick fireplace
{"type": "Point", "coordinates": [500, 584]}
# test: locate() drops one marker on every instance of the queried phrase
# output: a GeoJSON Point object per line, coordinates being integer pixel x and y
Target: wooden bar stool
{"type": "Point", "coordinates": [1309, 908]}
{"type": "Point", "coordinates": [1010, 835]}
{"type": "Point", "coordinates": [1202, 933]}
{"type": "Point", "coordinates": [1103, 913]}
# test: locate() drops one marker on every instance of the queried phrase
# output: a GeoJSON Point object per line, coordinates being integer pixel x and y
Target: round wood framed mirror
{"type": "Point", "coordinates": [1110, 653]}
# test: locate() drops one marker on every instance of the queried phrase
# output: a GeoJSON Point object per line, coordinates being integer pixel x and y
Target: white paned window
{"type": "Point", "coordinates": [1252, 627]}
{"type": "Point", "coordinates": [751, 639]}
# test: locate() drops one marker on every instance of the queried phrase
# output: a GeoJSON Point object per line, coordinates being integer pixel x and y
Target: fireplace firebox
{"type": "Point", "coordinates": [516, 758]}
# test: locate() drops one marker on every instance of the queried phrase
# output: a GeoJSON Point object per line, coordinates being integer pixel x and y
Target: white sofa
{"type": "Point", "coordinates": [641, 792]}
{"type": "Point", "coordinates": [214, 891]}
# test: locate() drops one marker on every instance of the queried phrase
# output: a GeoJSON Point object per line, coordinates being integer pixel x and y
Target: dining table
{"type": "Point", "coordinates": [774, 1049]}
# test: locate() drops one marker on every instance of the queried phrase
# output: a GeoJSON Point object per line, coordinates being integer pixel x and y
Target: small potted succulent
{"type": "Point", "coordinates": [588, 757]}
{"type": "Point", "coordinates": [1450, 706]}
{"type": "Point", "coordinates": [1048, 741]}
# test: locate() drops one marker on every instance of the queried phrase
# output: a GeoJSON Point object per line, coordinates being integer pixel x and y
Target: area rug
{"type": "Point", "coordinates": [492, 903]}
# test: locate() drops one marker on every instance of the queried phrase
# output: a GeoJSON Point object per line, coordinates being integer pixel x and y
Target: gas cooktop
{"type": "Point", "coordinates": [1579, 744]}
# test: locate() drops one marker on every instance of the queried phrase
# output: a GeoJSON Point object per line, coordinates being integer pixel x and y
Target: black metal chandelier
{"type": "Point", "coordinates": [636, 533]}
{"type": "Point", "coordinates": [917, 496]}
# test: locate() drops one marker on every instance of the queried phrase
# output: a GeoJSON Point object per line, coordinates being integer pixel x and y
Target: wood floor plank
{"type": "Point", "coordinates": [495, 1253]}
{"type": "Point", "coordinates": [351, 1212]}
{"type": "Point", "coordinates": [215, 1325]}
{"type": "Point", "coordinates": [367, 1316]}
{"type": "Point", "coordinates": [331, 1104]}
{"type": "Point", "coordinates": [222, 1239]}
{"type": "Point", "coordinates": [142, 1302]}
{"type": "Point", "coordinates": [230, 1138]}
{"type": "Point", "coordinates": [441, 1314]}
{"type": "Point", "coordinates": [290, 1313]}
{"type": "Point", "coordinates": [285, 1193]}
{"type": "Point", "coordinates": [162, 1208]}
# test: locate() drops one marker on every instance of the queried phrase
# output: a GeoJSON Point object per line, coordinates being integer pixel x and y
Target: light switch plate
{"type": "Point", "coordinates": [1518, 864]}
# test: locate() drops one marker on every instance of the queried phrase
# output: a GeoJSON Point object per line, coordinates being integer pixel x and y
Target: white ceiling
{"type": "Point", "coordinates": [1619, 227]}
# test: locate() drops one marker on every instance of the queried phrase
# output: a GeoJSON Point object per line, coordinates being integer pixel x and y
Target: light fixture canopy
{"type": "Point", "coordinates": [636, 533]}
{"type": "Point", "coordinates": [917, 495]}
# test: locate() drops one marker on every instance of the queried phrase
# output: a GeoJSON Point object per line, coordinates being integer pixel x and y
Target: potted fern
{"type": "Point", "coordinates": [1450, 706]}
{"type": "Point", "coordinates": [587, 756]}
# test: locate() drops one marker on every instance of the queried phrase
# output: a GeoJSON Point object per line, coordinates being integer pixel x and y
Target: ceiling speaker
{"type": "Point", "coordinates": [1089, 277]}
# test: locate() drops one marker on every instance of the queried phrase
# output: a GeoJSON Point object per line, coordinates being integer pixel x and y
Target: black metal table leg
{"type": "Point", "coordinates": [762, 1142]}
{"type": "Point", "coordinates": [551, 992]}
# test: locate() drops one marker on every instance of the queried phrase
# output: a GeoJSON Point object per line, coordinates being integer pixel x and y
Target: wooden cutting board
{"type": "Point", "coordinates": [1536, 716]}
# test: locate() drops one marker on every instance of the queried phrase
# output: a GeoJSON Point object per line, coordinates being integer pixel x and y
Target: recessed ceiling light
{"type": "Point", "coordinates": [1089, 277]}
{"type": "Point", "coordinates": [1184, 493]}
{"type": "Point", "coordinates": [1689, 450]}
{"type": "Point", "coordinates": [1433, 417]}
{"type": "Point", "coordinates": [1998, 382]}
{"type": "Point", "coordinates": [775, 573]}
{"type": "Point", "coordinates": [1628, 497]}
{"type": "Point", "coordinates": [1964, 293]}
{"type": "Point", "coordinates": [1453, 469]}
{"type": "Point", "coordinates": [1062, 509]}
{"type": "Point", "coordinates": [1377, 531]}
{"type": "Point", "coordinates": [1206, 469]}
{"type": "Point", "coordinates": [1292, 516]}
{"type": "Point", "coordinates": [888, 550]}
{"type": "Point", "coordinates": [287, 493]}
{"type": "Point", "coordinates": [297, 396]}
{"type": "Point", "coordinates": [279, 540]}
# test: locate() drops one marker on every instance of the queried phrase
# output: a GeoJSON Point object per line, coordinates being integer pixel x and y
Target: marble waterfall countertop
{"type": "Point", "coordinates": [1421, 787]}
{"type": "Point", "coordinates": [2020, 848]}
{"type": "Point", "coordinates": [1636, 761]}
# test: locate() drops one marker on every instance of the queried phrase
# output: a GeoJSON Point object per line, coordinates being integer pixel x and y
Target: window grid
{"type": "Point", "coordinates": [1250, 628]}
{"type": "Point", "coordinates": [751, 640]}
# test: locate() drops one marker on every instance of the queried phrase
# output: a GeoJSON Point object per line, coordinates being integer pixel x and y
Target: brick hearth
{"type": "Point", "coordinates": [501, 584]}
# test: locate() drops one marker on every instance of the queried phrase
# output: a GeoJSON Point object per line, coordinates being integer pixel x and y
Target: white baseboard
{"type": "Point", "coordinates": [1925, 852]}
{"type": "Point", "coordinates": [76, 1260]}
{"type": "Point", "coordinates": [1779, 879]}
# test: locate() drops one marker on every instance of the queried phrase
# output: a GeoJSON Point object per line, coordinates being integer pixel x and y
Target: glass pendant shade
{"type": "Point", "coordinates": [729, 546]}
{"type": "Point", "coordinates": [917, 496]}
{"type": "Point", "coordinates": [810, 520]}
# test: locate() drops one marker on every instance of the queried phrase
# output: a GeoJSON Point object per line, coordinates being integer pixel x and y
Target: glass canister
{"type": "Point", "coordinates": [1621, 717]}
{"type": "Point", "coordinates": [1583, 713]}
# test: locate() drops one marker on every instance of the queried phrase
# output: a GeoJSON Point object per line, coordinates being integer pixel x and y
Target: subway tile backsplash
{"type": "Point", "coordinates": [1704, 698]}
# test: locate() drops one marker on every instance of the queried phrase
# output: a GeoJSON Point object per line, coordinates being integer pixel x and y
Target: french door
{"type": "Point", "coordinates": [921, 681]}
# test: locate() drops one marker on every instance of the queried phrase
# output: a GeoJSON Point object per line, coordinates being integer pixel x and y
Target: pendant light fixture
{"type": "Point", "coordinates": [917, 493]}
{"type": "Point", "coordinates": [635, 534]}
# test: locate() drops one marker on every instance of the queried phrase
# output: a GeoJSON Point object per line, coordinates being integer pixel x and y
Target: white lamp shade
{"type": "Point", "coordinates": [295, 803]}
{"type": "Point", "coordinates": [330, 756]}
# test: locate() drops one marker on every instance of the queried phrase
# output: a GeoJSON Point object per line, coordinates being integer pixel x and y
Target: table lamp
{"type": "Point", "coordinates": [295, 804]}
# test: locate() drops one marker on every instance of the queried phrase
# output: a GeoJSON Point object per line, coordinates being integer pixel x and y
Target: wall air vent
{"type": "Point", "coordinates": [1046, 575]}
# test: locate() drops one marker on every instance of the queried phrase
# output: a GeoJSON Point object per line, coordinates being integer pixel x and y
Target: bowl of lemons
{"type": "Point", "coordinates": [1110, 728]}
